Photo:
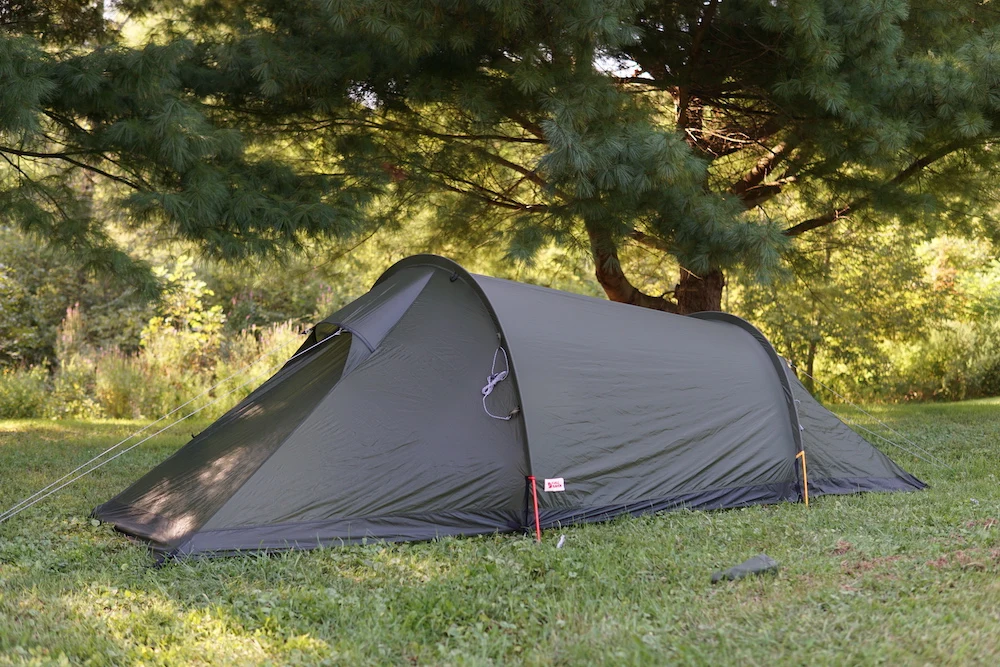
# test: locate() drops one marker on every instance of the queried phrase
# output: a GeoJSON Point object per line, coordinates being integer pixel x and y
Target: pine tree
{"type": "Point", "coordinates": [78, 110]}
{"type": "Point", "coordinates": [695, 127]}
{"type": "Point", "coordinates": [712, 132]}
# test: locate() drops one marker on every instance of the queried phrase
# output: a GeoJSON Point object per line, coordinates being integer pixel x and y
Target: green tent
{"type": "Point", "coordinates": [434, 403]}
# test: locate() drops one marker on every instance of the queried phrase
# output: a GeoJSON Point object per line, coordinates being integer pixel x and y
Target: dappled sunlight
{"type": "Point", "coordinates": [68, 426]}
{"type": "Point", "coordinates": [163, 499]}
{"type": "Point", "coordinates": [407, 568]}
{"type": "Point", "coordinates": [152, 625]}
{"type": "Point", "coordinates": [179, 527]}
{"type": "Point", "coordinates": [220, 468]}
{"type": "Point", "coordinates": [41, 427]}
{"type": "Point", "coordinates": [254, 410]}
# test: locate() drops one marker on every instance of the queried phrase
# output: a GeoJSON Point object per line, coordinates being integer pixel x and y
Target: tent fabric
{"type": "Point", "coordinates": [376, 429]}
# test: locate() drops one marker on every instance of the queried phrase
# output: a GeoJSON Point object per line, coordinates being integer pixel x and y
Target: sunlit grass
{"type": "Point", "coordinates": [878, 578]}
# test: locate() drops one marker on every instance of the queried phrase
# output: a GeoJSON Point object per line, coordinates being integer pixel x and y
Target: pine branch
{"type": "Point", "coordinates": [529, 174]}
{"type": "Point", "coordinates": [312, 124]}
{"type": "Point", "coordinates": [645, 239]}
{"type": "Point", "coordinates": [529, 126]}
{"type": "Point", "coordinates": [395, 125]}
{"type": "Point", "coordinates": [825, 219]}
{"type": "Point", "coordinates": [833, 216]}
{"type": "Point", "coordinates": [484, 194]}
{"type": "Point", "coordinates": [688, 115]}
{"type": "Point", "coordinates": [699, 34]}
{"type": "Point", "coordinates": [749, 188]}
{"type": "Point", "coordinates": [65, 157]}
{"type": "Point", "coordinates": [36, 187]}
{"type": "Point", "coordinates": [734, 137]}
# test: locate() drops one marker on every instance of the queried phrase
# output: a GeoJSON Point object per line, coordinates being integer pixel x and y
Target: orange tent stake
{"type": "Point", "coordinates": [805, 479]}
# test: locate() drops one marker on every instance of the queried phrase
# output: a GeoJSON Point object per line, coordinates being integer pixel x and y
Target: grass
{"type": "Point", "coordinates": [875, 578]}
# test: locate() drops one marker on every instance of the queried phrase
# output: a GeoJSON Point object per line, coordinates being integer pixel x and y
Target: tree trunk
{"type": "Point", "coordinates": [691, 295]}
{"type": "Point", "coordinates": [608, 271]}
{"type": "Point", "coordinates": [810, 361]}
{"type": "Point", "coordinates": [697, 293]}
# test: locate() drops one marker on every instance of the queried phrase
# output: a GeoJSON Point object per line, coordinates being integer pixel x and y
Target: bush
{"type": "Point", "coordinates": [24, 393]}
{"type": "Point", "coordinates": [74, 387]}
{"type": "Point", "coordinates": [957, 361]}
{"type": "Point", "coordinates": [247, 359]}
{"type": "Point", "coordinates": [122, 385]}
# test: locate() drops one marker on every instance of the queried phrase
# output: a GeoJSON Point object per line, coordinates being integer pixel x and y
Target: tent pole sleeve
{"type": "Point", "coordinates": [534, 500]}
{"type": "Point", "coordinates": [805, 479]}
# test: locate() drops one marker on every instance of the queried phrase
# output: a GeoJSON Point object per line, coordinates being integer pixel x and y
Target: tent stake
{"type": "Point", "coordinates": [534, 498]}
{"type": "Point", "coordinates": [805, 480]}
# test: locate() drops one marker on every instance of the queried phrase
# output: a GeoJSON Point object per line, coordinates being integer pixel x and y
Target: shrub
{"type": "Point", "coordinates": [247, 359]}
{"type": "Point", "coordinates": [24, 393]}
{"type": "Point", "coordinates": [122, 385]}
{"type": "Point", "coordinates": [958, 360]}
{"type": "Point", "coordinates": [74, 389]}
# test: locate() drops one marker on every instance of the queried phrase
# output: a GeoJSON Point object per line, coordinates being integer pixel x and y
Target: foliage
{"type": "Point", "coordinates": [95, 132]}
{"type": "Point", "coordinates": [38, 286]}
{"type": "Point", "coordinates": [156, 381]}
{"type": "Point", "coordinates": [185, 332]}
{"type": "Point", "coordinates": [875, 315]}
{"type": "Point", "coordinates": [960, 356]}
{"type": "Point", "coordinates": [23, 392]}
{"type": "Point", "coordinates": [60, 22]}
{"type": "Point", "coordinates": [895, 578]}
{"type": "Point", "coordinates": [708, 132]}
{"type": "Point", "coordinates": [955, 361]}
{"type": "Point", "coordinates": [848, 298]}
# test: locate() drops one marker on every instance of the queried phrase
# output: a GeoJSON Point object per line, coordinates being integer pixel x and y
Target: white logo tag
{"type": "Point", "coordinates": [556, 484]}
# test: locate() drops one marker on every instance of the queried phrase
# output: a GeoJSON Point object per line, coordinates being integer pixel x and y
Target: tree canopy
{"type": "Point", "coordinates": [92, 131]}
{"type": "Point", "coordinates": [711, 132]}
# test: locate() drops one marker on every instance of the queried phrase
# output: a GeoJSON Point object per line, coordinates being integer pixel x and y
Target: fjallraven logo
{"type": "Point", "coordinates": [555, 484]}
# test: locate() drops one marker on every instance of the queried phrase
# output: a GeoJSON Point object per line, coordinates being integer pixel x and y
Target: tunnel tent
{"type": "Point", "coordinates": [431, 405]}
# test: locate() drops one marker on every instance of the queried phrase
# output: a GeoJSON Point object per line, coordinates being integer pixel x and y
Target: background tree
{"type": "Point", "coordinates": [692, 128]}
{"type": "Point", "coordinates": [848, 299]}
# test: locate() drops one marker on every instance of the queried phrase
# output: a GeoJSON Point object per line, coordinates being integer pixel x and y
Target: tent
{"type": "Point", "coordinates": [445, 403]}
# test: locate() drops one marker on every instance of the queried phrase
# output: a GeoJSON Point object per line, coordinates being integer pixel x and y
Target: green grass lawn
{"type": "Point", "coordinates": [906, 578]}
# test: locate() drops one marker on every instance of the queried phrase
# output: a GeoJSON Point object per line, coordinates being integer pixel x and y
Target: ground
{"type": "Point", "coordinates": [904, 578]}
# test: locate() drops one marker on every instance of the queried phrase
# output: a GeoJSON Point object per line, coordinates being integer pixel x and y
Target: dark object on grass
{"type": "Point", "coordinates": [762, 564]}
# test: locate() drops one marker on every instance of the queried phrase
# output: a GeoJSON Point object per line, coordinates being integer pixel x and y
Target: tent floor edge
{"type": "Point", "coordinates": [849, 485]}
{"type": "Point", "coordinates": [731, 498]}
{"type": "Point", "coordinates": [336, 532]}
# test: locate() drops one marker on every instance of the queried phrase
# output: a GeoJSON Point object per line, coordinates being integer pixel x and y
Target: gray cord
{"type": "Point", "coordinates": [71, 477]}
{"type": "Point", "coordinates": [930, 457]}
{"type": "Point", "coordinates": [494, 379]}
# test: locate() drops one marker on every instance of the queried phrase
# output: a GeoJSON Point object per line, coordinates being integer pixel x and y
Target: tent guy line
{"type": "Point", "coordinates": [854, 424]}
{"type": "Point", "coordinates": [69, 477]}
{"type": "Point", "coordinates": [933, 460]}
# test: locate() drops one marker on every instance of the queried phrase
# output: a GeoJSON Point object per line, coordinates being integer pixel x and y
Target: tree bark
{"type": "Point", "coordinates": [697, 293]}
{"type": "Point", "coordinates": [810, 362]}
{"type": "Point", "coordinates": [608, 271]}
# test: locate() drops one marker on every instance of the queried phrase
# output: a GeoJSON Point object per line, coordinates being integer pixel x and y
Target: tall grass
{"type": "Point", "coordinates": [23, 393]}
{"type": "Point", "coordinates": [171, 369]}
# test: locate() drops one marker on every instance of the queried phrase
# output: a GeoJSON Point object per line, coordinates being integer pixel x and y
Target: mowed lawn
{"type": "Point", "coordinates": [906, 578]}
